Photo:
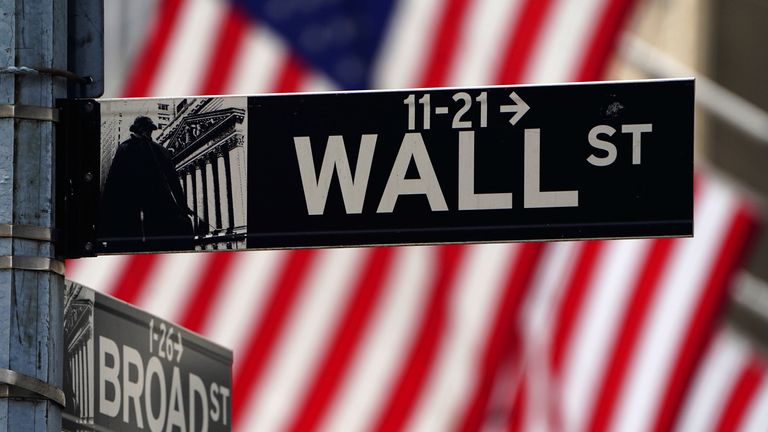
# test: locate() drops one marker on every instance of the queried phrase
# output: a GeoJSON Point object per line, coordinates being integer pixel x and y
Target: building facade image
{"type": "Point", "coordinates": [207, 140]}
{"type": "Point", "coordinates": [79, 367]}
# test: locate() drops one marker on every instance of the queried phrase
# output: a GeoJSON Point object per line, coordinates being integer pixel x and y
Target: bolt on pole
{"type": "Point", "coordinates": [33, 34]}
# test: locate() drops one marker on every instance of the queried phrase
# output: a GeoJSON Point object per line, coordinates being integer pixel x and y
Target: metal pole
{"type": "Point", "coordinates": [32, 34]}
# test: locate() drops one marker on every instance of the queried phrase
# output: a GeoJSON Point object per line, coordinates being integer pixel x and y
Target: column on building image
{"type": "Point", "coordinates": [210, 191]}
{"type": "Point", "coordinates": [192, 193]}
{"type": "Point", "coordinates": [84, 381]}
{"type": "Point", "coordinates": [201, 205]}
{"type": "Point", "coordinates": [89, 378]}
{"type": "Point", "coordinates": [205, 174]}
{"type": "Point", "coordinates": [218, 197]}
{"type": "Point", "coordinates": [187, 177]}
{"type": "Point", "coordinates": [80, 381]}
{"type": "Point", "coordinates": [73, 373]}
{"type": "Point", "coordinates": [72, 378]}
{"type": "Point", "coordinates": [225, 188]}
{"type": "Point", "coordinates": [237, 167]}
{"type": "Point", "coordinates": [84, 365]}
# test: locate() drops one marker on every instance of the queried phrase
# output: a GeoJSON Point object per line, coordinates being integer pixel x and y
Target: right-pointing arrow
{"type": "Point", "coordinates": [519, 108]}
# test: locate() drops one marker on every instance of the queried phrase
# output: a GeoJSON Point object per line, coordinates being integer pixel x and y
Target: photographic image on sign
{"type": "Point", "coordinates": [415, 166]}
{"type": "Point", "coordinates": [173, 175]}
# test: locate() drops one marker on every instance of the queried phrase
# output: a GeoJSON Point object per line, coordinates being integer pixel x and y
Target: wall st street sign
{"type": "Point", "coordinates": [126, 370]}
{"type": "Point", "coordinates": [483, 164]}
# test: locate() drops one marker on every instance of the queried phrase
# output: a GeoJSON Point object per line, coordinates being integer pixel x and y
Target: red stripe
{"type": "Point", "coordinates": [148, 62]}
{"type": "Point", "coordinates": [630, 329]}
{"type": "Point", "coordinates": [291, 75]}
{"type": "Point", "coordinates": [575, 293]}
{"type": "Point", "coordinates": [750, 379]}
{"type": "Point", "coordinates": [230, 39]}
{"type": "Point", "coordinates": [701, 328]}
{"type": "Point", "coordinates": [351, 328]}
{"type": "Point", "coordinates": [517, 415]}
{"type": "Point", "coordinates": [444, 45]}
{"type": "Point", "coordinates": [631, 326]}
{"type": "Point", "coordinates": [410, 380]}
{"type": "Point", "coordinates": [133, 276]}
{"type": "Point", "coordinates": [278, 309]}
{"type": "Point", "coordinates": [70, 266]}
{"type": "Point", "coordinates": [419, 360]}
{"type": "Point", "coordinates": [503, 331]}
{"type": "Point", "coordinates": [604, 39]}
{"type": "Point", "coordinates": [217, 266]}
{"type": "Point", "coordinates": [518, 51]}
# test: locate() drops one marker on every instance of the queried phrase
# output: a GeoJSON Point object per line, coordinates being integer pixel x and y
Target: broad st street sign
{"type": "Point", "coordinates": [484, 164]}
{"type": "Point", "coordinates": [126, 370]}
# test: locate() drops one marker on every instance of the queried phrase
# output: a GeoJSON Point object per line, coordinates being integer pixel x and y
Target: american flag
{"type": "Point", "coordinates": [597, 335]}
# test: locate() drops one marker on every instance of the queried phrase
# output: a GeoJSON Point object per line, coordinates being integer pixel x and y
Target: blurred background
{"type": "Point", "coordinates": [620, 335]}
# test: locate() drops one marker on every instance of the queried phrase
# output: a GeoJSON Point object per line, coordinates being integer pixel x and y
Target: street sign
{"type": "Point", "coordinates": [126, 370]}
{"type": "Point", "coordinates": [483, 164]}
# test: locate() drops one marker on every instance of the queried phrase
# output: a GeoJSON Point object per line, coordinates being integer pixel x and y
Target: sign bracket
{"type": "Point", "coordinates": [33, 263]}
{"type": "Point", "coordinates": [20, 386]}
{"type": "Point", "coordinates": [29, 112]}
{"type": "Point", "coordinates": [27, 232]}
{"type": "Point", "coordinates": [77, 182]}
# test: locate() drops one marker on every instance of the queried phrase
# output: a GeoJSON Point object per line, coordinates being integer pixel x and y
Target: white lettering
{"type": "Point", "coordinates": [636, 130]}
{"type": "Point", "coordinates": [335, 159]}
{"type": "Point", "coordinates": [533, 196]}
{"type": "Point", "coordinates": [132, 389]}
{"type": "Point", "coordinates": [468, 199]}
{"type": "Point", "coordinates": [176, 406]}
{"type": "Point", "coordinates": [412, 147]}
{"type": "Point", "coordinates": [197, 387]}
{"type": "Point", "coordinates": [224, 396]}
{"type": "Point", "coordinates": [129, 384]}
{"type": "Point", "coordinates": [155, 369]}
{"type": "Point", "coordinates": [107, 347]}
{"type": "Point", "coordinates": [606, 146]}
{"type": "Point", "coordinates": [215, 409]}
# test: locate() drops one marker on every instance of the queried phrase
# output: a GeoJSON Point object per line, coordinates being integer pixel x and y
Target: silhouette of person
{"type": "Point", "coordinates": [143, 207]}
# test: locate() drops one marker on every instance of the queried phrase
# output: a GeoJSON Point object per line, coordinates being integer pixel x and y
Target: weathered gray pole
{"type": "Point", "coordinates": [33, 34]}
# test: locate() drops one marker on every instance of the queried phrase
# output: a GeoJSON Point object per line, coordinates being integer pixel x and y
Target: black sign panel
{"type": "Point", "coordinates": [127, 370]}
{"type": "Point", "coordinates": [506, 163]}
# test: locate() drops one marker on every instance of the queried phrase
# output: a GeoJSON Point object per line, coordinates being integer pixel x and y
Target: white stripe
{"type": "Point", "coordinates": [756, 417]}
{"type": "Point", "coordinates": [475, 296]}
{"type": "Point", "coordinates": [558, 262]}
{"type": "Point", "coordinates": [167, 290]}
{"type": "Point", "coordinates": [317, 82]}
{"type": "Point", "coordinates": [485, 36]}
{"type": "Point", "coordinates": [409, 36]}
{"type": "Point", "coordinates": [681, 286]}
{"type": "Point", "coordinates": [99, 273]}
{"type": "Point", "coordinates": [616, 273]}
{"type": "Point", "coordinates": [188, 53]}
{"type": "Point", "coordinates": [713, 383]}
{"type": "Point", "coordinates": [258, 62]}
{"type": "Point", "coordinates": [305, 337]}
{"type": "Point", "coordinates": [557, 265]}
{"type": "Point", "coordinates": [127, 26]}
{"type": "Point", "coordinates": [564, 38]}
{"type": "Point", "coordinates": [240, 302]}
{"type": "Point", "coordinates": [371, 374]}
